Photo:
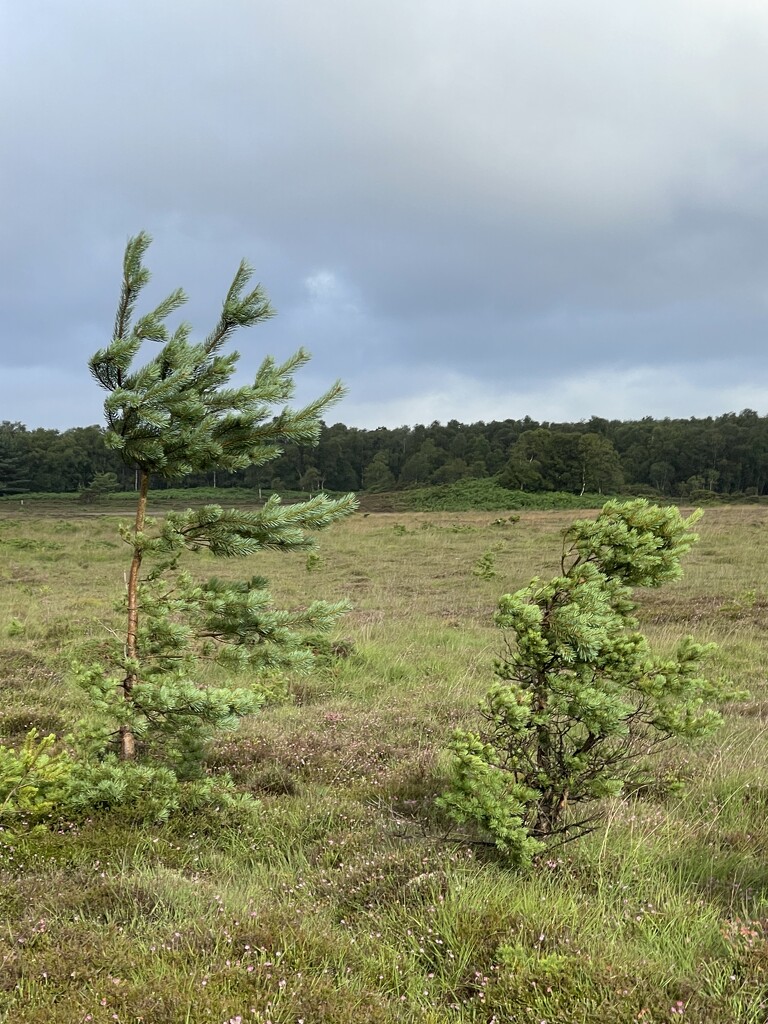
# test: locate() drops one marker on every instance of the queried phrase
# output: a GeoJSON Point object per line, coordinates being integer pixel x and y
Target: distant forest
{"type": "Point", "coordinates": [682, 458]}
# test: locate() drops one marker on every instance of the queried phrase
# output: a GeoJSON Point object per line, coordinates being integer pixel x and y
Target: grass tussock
{"type": "Point", "coordinates": [347, 898]}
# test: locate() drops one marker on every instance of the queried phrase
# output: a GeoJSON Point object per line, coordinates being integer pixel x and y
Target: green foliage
{"type": "Point", "coordinates": [100, 486]}
{"type": "Point", "coordinates": [13, 470]}
{"type": "Point", "coordinates": [545, 459]}
{"type": "Point", "coordinates": [377, 475]}
{"type": "Point", "coordinates": [581, 701]}
{"type": "Point", "coordinates": [490, 496]}
{"type": "Point", "coordinates": [143, 794]}
{"type": "Point", "coordinates": [314, 562]}
{"type": "Point", "coordinates": [697, 461]}
{"type": "Point", "coordinates": [485, 567]}
{"type": "Point", "coordinates": [338, 870]}
{"type": "Point", "coordinates": [311, 480]}
{"type": "Point", "coordinates": [32, 780]}
{"type": "Point", "coordinates": [174, 415]}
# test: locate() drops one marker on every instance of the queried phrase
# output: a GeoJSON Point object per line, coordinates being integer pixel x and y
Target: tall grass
{"type": "Point", "coordinates": [347, 899]}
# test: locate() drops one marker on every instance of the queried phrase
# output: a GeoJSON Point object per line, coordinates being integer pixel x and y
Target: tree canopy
{"type": "Point", "coordinates": [690, 459]}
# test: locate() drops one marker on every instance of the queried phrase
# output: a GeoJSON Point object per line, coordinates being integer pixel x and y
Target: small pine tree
{"type": "Point", "coordinates": [485, 567]}
{"type": "Point", "coordinates": [32, 781]}
{"type": "Point", "coordinates": [172, 416]}
{"type": "Point", "coordinates": [581, 701]}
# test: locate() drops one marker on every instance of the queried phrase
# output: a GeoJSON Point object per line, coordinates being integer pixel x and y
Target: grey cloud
{"type": "Point", "coordinates": [520, 193]}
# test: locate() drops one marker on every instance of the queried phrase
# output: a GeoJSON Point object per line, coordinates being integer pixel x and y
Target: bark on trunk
{"type": "Point", "coordinates": [127, 739]}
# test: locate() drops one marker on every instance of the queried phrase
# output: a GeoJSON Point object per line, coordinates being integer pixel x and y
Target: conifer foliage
{"type": "Point", "coordinates": [581, 701]}
{"type": "Point", "coordinates": [177, 414]}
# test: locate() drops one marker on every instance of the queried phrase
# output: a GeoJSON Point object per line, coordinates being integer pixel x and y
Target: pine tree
{"type": "Point", "coordinates": [175, 415]}
{"type": "Point", "coordinates": [581, 701]}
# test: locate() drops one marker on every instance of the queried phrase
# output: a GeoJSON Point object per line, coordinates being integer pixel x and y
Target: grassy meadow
{"type": "Point", "coordinates": [345, 900]}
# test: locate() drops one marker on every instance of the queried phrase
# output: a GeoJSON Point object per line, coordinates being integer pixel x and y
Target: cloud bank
{"type": "Point", "coordinates": [556, 210]}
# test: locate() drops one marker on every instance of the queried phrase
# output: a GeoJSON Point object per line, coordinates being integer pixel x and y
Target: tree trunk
{"type": "Point", "coordinates": [543, 823]}
{"type": "Point", "coordinates": [127, 739]}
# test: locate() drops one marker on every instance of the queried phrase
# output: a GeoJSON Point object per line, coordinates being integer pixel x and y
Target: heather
{"type": "Point", "coordinates": [346, 894]}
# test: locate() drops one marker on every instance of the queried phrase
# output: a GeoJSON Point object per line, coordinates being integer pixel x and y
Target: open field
{"type": "Point", "coordinates": [345, 902]}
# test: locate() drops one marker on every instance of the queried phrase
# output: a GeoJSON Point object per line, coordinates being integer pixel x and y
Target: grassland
{"type": "Point", "coordinates": [345, 901]}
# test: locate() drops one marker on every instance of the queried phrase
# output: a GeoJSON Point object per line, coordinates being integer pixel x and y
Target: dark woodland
{"type": "Point", "coordinates": [690, 459]}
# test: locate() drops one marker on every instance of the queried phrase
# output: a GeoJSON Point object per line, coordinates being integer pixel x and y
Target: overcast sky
{"type": "Point", "coordinates": [465, 211]}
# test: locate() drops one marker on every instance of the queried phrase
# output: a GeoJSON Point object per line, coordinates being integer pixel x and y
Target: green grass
{"type": "Point", "coordinates": [345, 900]}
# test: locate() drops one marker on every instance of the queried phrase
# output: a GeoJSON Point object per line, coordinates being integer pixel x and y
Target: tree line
{"type": "Point", "coordinates": [686, 458]}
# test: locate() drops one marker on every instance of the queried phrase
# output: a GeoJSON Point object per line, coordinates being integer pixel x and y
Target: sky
{"type": "Point", "coordinates": [464, 211]}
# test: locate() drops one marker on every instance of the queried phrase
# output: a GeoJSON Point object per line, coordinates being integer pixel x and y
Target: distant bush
{"type": "Point", "coordinates": [506, 520]}
{"type": "Point", "coordinates": [704, 497]}
{"type": "Point", "coordinates": [488, 496]}
{"type": "Point", "coordinates": [485, 568]}
{"type": "Point", "coordinates": [643, 491]}
{"type": "Point", "coordinates": [102, 485]}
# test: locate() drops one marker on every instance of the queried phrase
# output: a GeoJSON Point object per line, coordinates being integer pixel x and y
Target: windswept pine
{"type": "Point", "coordinates": [174, 415]}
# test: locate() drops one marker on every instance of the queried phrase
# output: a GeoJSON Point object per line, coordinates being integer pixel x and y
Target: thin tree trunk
{"type": "Point", "coordinates": [127, 739]}
{"type": "Point", "coordinates": [542, 826]}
